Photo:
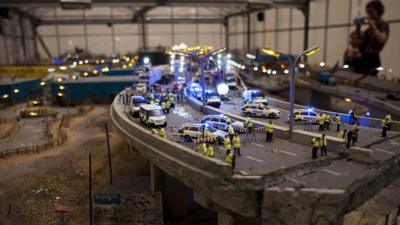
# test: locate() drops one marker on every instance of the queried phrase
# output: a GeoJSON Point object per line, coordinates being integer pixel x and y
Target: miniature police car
{"type": "Point", "coordinates": [196, 131]}
{"type": "Point", "coordinates": [260, 110]}
{"type": "Point", "coordinates": [222, 122]}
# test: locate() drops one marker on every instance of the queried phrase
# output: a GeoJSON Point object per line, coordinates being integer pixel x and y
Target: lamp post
{"type": "Point", "coordinates": [292, 72]}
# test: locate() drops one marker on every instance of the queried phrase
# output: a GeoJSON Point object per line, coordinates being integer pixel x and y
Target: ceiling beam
{"type": "Point", "coordinates": [129, 21]}
{"type": "Point", "coordinates": [116, 3]}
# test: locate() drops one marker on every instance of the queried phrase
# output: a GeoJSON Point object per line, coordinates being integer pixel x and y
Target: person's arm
{"type": "Point", "coordinates": [381, 36]}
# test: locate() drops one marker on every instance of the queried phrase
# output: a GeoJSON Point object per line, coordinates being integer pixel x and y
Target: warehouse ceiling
{"type": "Point", "coordinates": [48, 12]}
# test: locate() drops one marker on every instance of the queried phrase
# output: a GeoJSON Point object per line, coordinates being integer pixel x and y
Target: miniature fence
{"type": "Point", "coordinates": [61, 135]}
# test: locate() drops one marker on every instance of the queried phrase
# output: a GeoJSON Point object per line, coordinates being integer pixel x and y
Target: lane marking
{"type": "Point", "coordinates": [394, 143]}
{"type": "Point", "coordinates": [257, 160]}
{"type": "Point", "coordinates": [243, 172]}
{"type": "Point", "coordinates": [331, 172]}
{"type": "Point", "coordinates": [385, 151]}
{"type": "Point", "coordinates": [288, 153]}
{"type": "Point", "coordinates": [258, 145]}
{"type": "Point", "coordinates": [296, 181]}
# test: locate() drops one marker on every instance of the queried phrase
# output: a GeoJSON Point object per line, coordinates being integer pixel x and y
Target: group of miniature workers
{"type": "Point", "coordinates": [166, 101]}
{"type": "Point", "coordinates": [319, 143]}
{"type": "Point", "coordinates": [160, 131]}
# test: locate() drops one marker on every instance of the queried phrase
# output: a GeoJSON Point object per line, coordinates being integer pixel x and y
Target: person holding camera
{"type": "Point", "coordinates": [373, 38]}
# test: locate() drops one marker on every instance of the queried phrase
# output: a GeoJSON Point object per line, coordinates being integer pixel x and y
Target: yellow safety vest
{"type": "Point", "coordinates": [355, 128]}
{"type": "Point", "coordinates": [229, 158]}
{"type": "Point", "coordinates": [204, 146]}
{"type": "Point", "coordinates": [168, 104]}
{"type": "Point", "coordinates": [338, 120]}
{"type": "Point", "coordinates": [227, 143]}
{"type": "Point", "coordinates": [231, 130]}
{"type": "Point", "coordinates": [248, 123]}
{"type": "Point", "coordinates": [210, 151]}
{"type": "Point", "coordinates": [154, 131]}
{"type": "Point", "coordinates": [247, 108]}
{"type": "Point", "coordinates": [162, 133]}
{"type": "Point", "coordinates": [269, 128]}
{"type": "Point", "coordinates": [321, 119]}
{"type": "Point", "coordinates": [383, 123]}
{"type": "Point", "coordinates": [388, 118]}
{"type": "Point", "coordinates": [186, 132]}
{"type": "Point", "coordinates": [315, 143]}
{"type": "Point", "coordinates": [327, 118]}
{"type": "Point", "coordinates": [324, 141]}
{"type": "Point", "coordinates": [163, 105]}
{"type": "Point", "coordinates": [236, 142]}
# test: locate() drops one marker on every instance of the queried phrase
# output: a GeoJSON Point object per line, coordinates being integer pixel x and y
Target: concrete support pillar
{"type": "Point", "coordinates": [225, 219]}
{"type": "Point", "coordinates": [233, 219]}
{"type": "Point", "coordinates": [177, 197]}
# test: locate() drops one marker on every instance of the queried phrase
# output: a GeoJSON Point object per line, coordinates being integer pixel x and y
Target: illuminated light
{"type": "Point", "coordinates": [115, 61]}
{"type": "Point", "coordinates": [255, 68]}
{"type": "Point", "coordinates": [51, 70]}
{"type": "Point", "coordinates": [97, 61]}
{"type": "Point", "coordinates": [102, 61]}
{"type": "Point", "coordinates": [33, 113]}
{"type": "Point", "coordinates": [34, 102]}
{"type": "Point", "coordinates": [80, 62]}
{"type": "Point", "coordinates": [390, 70]}
{"type": "Point", "coordinates": [271, 52]}
{"type": "Point", "coordinates": [85, 74]}
{"type": "Point", "coordinates": [250, 56]}
{"type": "Point", "coordinates": [264, 70]}
{"type": "Point", "coordinates": [146, 60]}
{"type": "Point", "coordinates": [182, 58]}
{"type": "Point", "coordinates": [105, 69]}
{"type": "Point", "coordinates": [368, 114]}
{"type": "Point", "coordinates": [229, 56]}
{"type": "Point", "coordinates": [379, 68]}
{"type": "Point", "coordinates": [127, 59]}
{"type": "Point", "coordinates": [345, 66]}
{"type": "Point", "coordinates": [61, 87]}
{"type": "Point", "coordinates": [59, 94]}
{"type": "Point", "coordinates": [321, 64]}
{"type": "Point", "coordinates": [243, 67]}
{"type": "Point", "coordinates": [219, 56]}
{"type": "Point", "coordinates": [311, 51]}
{"type": "Point", "coordinates": [302, 65]}
{"type": "Point", "coordinates": [222, 89]}
{"type": "Point", "coordinates": [95, 72]}
{"type": "Point", "coordinates": [269, 71]}
{"type": "Point", "coordinates": [124, 66]}
{"type": "Point", "coordinates": [86, 61]}
{"type": "Point", "coordinates": [180, 70]}
{"type": "Point", "coordinates": [63, 67]}
{"type": "Point", "coordinates": [59, 79]}
{"type": "Point", "coordinates": [210, 58]}
{"type": "Point", "coordinates": [74, 77]}
{"type": "Point", "coordinates": [282, 66]}
{"type": "Point", "coordinates": [16, 91]}
{"type": "Point", "coordinates": [219, 61]}
{"type": "Point", "coordinates": [348, 99]}
{"type": "Point", "coordinates": [274, 72]}
{"type": "Point", "coordinates": [74, 63]}
{"type": "Point", "coordinates": [5, 96]}
{"type": "Point", "coordinates": [72, 66]}
{"type": "Point", "coordinates": [42, 83]}
{"type": "Point", "coordinates": [286, 71]}
{"type": "Point", "coordinates": [130, 65]}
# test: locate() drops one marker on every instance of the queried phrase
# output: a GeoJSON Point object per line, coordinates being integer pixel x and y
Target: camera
{"type": "Point", "coordinates": [360, 20]}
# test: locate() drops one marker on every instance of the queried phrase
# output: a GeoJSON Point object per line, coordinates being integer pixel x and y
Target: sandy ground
{"type": "Point", "coordinates": [34, 184]}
